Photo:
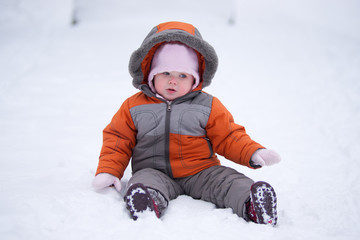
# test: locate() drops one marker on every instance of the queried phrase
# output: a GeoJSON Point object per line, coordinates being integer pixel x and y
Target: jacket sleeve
{"type": "Point", "coordinates": [228, 138]}
{"type": "Point", "coordinates": [119, 138]}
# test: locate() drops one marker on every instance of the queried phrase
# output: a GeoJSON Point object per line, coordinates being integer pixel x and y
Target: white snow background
{"type": "Point", "coordinates": [289, 71]}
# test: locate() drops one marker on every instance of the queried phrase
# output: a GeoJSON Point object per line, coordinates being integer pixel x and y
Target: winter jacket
{"type": "Point", "coordinates": [179, 138]}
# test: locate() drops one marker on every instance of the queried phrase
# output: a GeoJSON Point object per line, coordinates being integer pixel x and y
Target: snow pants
{"type": "Point", "coordinates": [220, 185]}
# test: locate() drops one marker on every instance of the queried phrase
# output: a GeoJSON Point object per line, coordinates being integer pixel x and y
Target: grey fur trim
{"type": "Point", "coordinates": [194, 41]}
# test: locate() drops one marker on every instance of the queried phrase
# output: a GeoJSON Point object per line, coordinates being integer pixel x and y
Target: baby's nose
{"type": "Point", "coordinates": [172, 80]}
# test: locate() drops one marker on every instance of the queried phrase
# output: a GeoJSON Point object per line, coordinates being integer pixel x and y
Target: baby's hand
{"type": "Point", "coordinates": [103, 180]}
{"type": "Point", "coordinates": [264, 157]}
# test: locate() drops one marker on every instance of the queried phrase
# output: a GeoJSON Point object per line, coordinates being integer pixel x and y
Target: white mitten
{"type": "Point", "coordinates": [103, 180]}
{"type": "Point", "coordinates": [264, 157]}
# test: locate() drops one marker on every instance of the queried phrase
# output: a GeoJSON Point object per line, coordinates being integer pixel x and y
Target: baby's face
{"type": "Point", "coordinates": [171, 85]}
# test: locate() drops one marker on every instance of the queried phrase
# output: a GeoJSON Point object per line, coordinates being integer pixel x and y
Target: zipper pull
{"type": "Point", "coordinates": [169, 107]}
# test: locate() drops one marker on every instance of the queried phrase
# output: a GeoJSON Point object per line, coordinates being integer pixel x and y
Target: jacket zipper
{"type": "Point", "coordinates": [167, 139]}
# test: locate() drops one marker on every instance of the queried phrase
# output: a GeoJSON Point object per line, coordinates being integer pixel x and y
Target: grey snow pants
{"type": "Point", "coordinates": [220, 185]}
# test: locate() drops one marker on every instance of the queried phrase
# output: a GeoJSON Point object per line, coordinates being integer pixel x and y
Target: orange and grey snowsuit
{"type": "Point", "coordinates": [181, 138]}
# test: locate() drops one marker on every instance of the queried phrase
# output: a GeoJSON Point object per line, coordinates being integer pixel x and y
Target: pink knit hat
{"type": "Point", "coordinates": [174, 57]}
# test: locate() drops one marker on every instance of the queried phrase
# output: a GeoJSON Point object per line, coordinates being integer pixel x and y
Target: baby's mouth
{"type": "Point", "coordinates": [171, 90]}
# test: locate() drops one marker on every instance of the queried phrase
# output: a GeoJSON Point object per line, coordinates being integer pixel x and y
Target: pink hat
{"type": "Point", "coordinates": [174, 57]}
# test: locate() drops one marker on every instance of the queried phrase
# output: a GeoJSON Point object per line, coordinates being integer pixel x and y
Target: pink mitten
{"type": "Point", "coordinates": [264, 157]}
{"type": "Point", "coordinates": [103, 180]}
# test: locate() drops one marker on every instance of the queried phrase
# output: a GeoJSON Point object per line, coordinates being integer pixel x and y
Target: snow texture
{"type": "Point", "coordinates": [289, 72]}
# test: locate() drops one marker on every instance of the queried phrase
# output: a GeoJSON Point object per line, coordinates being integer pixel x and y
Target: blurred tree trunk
{"type": "Point", "coordinates": [74, 20]}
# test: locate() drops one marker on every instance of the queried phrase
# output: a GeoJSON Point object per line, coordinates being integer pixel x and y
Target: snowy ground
{"type": "Point", "coordinates": [289, 71]}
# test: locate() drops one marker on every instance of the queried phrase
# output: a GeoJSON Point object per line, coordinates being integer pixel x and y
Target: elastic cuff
{"type": "Point", "coordinates": [253, 165]}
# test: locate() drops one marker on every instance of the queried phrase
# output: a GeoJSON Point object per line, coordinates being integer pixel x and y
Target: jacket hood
{"type": "Point", "coordinates": [140, 60]}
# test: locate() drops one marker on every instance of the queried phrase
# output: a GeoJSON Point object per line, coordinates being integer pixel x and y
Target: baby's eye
{"type": "Point", "coordinates": [183, 75]}
{"type": "Point", "coordinates": [166, 73]}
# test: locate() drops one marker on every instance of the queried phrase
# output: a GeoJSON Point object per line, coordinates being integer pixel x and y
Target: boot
{"type": "Point", "coordinates": [138, 200]}
{"type": "Point", "coordinates": [261, 208]}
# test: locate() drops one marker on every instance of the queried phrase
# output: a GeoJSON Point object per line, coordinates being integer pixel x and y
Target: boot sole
{"type": "Point", "coordinates": [264, 199]}
{"type": "Point", "coordinates": [138, 200]}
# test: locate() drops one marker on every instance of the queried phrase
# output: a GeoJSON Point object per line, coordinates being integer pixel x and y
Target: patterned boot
{"type": "Point", "coordinates": [261, 208]}
{"type": "Point", "coordinates": [138, 200]}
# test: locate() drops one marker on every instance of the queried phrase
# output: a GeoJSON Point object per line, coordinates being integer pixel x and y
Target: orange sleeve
{"type": "Point", "coordinates": [228, 138]}
{"type": "Point", "coordinates": [119, 138]}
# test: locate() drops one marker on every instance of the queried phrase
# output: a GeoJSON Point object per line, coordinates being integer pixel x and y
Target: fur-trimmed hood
{"type": "Point", "coordinates": [140, 60]}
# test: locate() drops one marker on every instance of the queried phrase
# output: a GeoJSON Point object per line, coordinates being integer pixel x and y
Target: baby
{"type": "Point", "coordinates": [172, 131]}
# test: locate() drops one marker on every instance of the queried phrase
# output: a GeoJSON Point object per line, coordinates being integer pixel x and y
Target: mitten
{"type": "Point", "coordinates": [103, 180]}
{"type": "Point", "coordinates": [264, 157]}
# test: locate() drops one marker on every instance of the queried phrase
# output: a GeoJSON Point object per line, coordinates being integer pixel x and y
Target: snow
{"type": "Point", "coordinates": [289, 72]}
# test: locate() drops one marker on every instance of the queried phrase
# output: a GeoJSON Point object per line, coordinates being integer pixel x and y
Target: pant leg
{"type": "Point", "coordinates": [158, 181]}
{"type": "Point", "coordinates": [223, 186]}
